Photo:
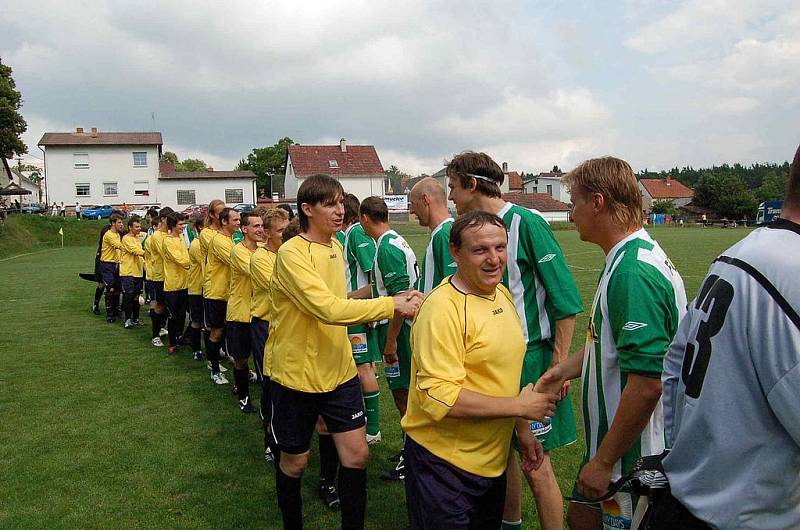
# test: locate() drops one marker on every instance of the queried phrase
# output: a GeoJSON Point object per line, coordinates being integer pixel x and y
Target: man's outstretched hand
{"type": "Point", "coordinates": [407, 303]}
{"type": "Point", "coordinates": [552, 381]}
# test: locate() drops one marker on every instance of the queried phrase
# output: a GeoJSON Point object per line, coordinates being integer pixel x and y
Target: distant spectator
{"type": "Point", "coordinates": [54, 210]}
{"type": "Point", "coordinates": [62, 210]}
{"type": "Point", "coordinates": [78, 210]}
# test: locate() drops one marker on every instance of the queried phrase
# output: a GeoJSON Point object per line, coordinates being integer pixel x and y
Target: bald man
{"type": "Point", "coordinates": [428, 201]}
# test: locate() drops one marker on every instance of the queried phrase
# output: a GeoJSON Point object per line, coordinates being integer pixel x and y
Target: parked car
{"type": "Point", "coordinates": [33, 207]}
{"type": "Point", "coordinates": [196, 209]}
{"type": "Point", "coordinates": [97, 212]}
{"type": "Point", "coordinates": [244, 207]}
{"type": "Point", "coordinates": [142, 210]}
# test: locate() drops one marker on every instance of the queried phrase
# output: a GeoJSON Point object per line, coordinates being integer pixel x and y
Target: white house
{"type": "Point", "coordinates": [542, 203]}
{"type": "Point", "coordinates": [23, 182]}
{"type": "Point", "coordinates": [550, 183]}
{"type": "Point", "coordinates": [183, 188]}
{"type": "Point", "coordinates": [357, 167]}
{"type": "Point", "coordinates": [666, 189]}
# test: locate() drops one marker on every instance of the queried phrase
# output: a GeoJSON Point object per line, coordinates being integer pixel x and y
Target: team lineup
{"type": "Point", "coordinates": [474, 342]}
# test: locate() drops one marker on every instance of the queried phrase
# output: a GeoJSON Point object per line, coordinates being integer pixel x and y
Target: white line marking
{"type": "Point", "coordinates": [30, 253]}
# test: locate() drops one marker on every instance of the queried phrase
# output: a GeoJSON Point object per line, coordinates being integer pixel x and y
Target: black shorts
{"type": "Point", "coordinates": [97, 269]}
{"type": "Point", "coordinates": [109, 273]}
{"type": "Point", "coordinates": [131, 285]}
{"type": "Point", "coordinates": [155, 291]}
{"type": "Point", "coordinates": [214, 313]}
{"type": "Point", "coordinates": [259, 331]}
{"type": "Point", "coordinates": [196, 307]}
{"type": "Point", "coordinates": [237, 339]}
{"type": "Point", "coordinates": [439, 495]}
{"type": "Point", "coordinates": [294, 413]}
{"type": "Point", "coordinates": [176, 302]}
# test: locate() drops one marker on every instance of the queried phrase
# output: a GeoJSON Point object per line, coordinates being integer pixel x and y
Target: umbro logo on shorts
{"type": "Point", "coordinates": [453, 264]}
{"type": "Point", "coordinates": [633, 326]}
{"type": "Point", "coordinates": [362, 245]}
{"type": "Point", "coordinates": [357, 415]}
{"type": "Point", "coordinates": [547, 258]}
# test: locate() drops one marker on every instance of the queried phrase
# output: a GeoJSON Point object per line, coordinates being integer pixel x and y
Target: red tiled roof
{"type": "Point", "coordinates": [539, 201]}
{"type": "Point", "coordinates": [514, 180]}
{"type": "Point", "coordinates": [358, 160]}
{"type": "Point", "coordinates": [668, 188]}
{"type": "Point", "coordinates": [102, 138]}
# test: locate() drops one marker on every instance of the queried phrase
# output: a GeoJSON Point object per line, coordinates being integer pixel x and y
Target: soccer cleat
{"type": "Point", "coordinates": [374, 438]}
{"type": "Point", "coordinates": [138, 322]}
{"type": "Point", "coordinates": [221, 368]}
{"type": "Point", "coordinates": [157, 342]}
{"type": "Point", "coordinates": [111, 320]}
{"type": "Point", "coordinates": [128, 324]}
{"type": "Point", "coordinates": [398, 473]}
{"type": "Point", "coordinates": [245, 405]}
{"type": "Point", "coordinates": [172, 350]}
{"type": "Point", "coordinates": [96, 309]}
{"type": "Point", "coordinates": [328, 495]}
{"type": "Point", "coordinates": [268, 456]}
{"type": "Point", "coordinates": [218, 379]}
{"type": "Point", "coordinates": [253, 377]}
{"type": "Point", "coordinates": [198, 355]}
{"type": "Point", "coordinates": [162, 332]}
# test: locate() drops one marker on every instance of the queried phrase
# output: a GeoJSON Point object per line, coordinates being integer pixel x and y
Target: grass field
{"type": "Point", "coordinates": [100, 429]}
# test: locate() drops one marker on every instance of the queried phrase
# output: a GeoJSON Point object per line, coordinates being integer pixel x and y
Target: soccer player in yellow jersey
{"type": "Point", "coordinates": [312, 369]}
{"type": "Point", "coordinates": [216, 288]}
{"type": "Point", "coordinates": [109, 265]}
{"type": "Point", "coordinates": [197, 262]}
{"type": "Point", "coordinates": [154, 262]}
{"type": "Point", "coordinates": [131, 271]}
{"type": "Point", "coordinates": [212, 226]}
{"type": "Point", "coordinates": [176, 277]}
{"type": "Point", "coordinates": [237, 327]}
{"type": "Point", "coordinates": [465, 401]}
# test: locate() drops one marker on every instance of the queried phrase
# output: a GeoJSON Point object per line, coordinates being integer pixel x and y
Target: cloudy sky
{"type": "Point", "coordinates": [660, 83]}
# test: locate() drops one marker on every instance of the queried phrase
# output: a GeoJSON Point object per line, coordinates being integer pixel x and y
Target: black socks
{"type": "Point", "coordinates": [241, 376]}
{"type": "Point", "coordinates": [352, 489]}
{"type": "Point", "coordinates": [289, 499]}
{"type": "Point", "coordinates": [98, 294]}
{"type": "Point", "coordinates": [212, 354]}
{"type": "Point", "coordinates": [328, 459]}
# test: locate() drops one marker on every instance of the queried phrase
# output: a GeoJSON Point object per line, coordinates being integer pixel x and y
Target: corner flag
{"type": "Point", "coordinates": [61, 233]}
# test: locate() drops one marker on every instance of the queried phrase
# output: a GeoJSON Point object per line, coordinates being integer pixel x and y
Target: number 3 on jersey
{"type": "Point", "coordinates": [714, 300]}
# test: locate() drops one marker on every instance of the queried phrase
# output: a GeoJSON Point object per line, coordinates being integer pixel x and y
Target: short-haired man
{"type": "Point", "coordinates": [394, 272]}
{"type": "Point", "coordinates": [197, 265]}
{"type": "Point", "coordinates": [176, 278]}
{"type": "Point", "coordinates": [262, 265]}
{"type": "Point", "coordinates": [428, 201]}
{"type": "Point", "coordinates": [131, 271]}
{"type": "Point", "coordinates": [732, 388]}
{"type": "Point", "coordinates": [359, 256]}
{"type": "Point", "coordinates": [312, 369]}
{"type": "Point", "coordinates": [638, 305]}
{"type": "Point", "coordinates": [216, 287]}
{"type": "Point", "coordinates": [465, 399]}
{"type": "Point", "coordinates": [154, 262]}
{"type": "Point", "coordinates": [547, 300]}
{"type": "Point", "coordinates": [237, 327]}
{"type": "Point", "coordinates": [109, 265]}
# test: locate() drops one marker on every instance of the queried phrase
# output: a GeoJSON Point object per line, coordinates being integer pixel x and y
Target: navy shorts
{"type": "Point", "coordinates": [176, 304]}
{"type": "Point", "coordinates": [259, 331]}
{"type": "Point", "coordinates": [155, 291]}
{"type": "Point", "coordinates": [294, 413]}
{"type": "Point", "coordinates": [131, 285]}
{"type": "Point", "coordinates": [196, 308]}
{"type": "Point", "coordinates": [237, 339]}
{"type": "Point", "coordinates": [109, 273]}
{"type": "Point", "coordinates": [214, 313]}
{"type": "Point", "coordinates": [439, 495]}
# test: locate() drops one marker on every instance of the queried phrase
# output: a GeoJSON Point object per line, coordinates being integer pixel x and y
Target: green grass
{"type": "Point", "coordinates": [23, 233]}
{"type": "Point", "coordinates": [100, 429]}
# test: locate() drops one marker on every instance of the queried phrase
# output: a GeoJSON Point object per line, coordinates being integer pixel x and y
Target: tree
{"type": "Point", "coordinates": [269, 165]}
{"type": "Point", "coordinates": [191, 164]}
{"type": "Point", "coordinates": [773, 187]}
{"type": "Point", "coordinates": [726, 195]}
{"type": "Point", "coordinates": [665, 206]}
{"type": "Point", "coordinates": [169, 158]}
{"type": "Point", "coordinates": [394, 180]}
{"type": "Point", "coordinates": [556, 169]}
{"type": "Point", "coordinates": [12, 124]}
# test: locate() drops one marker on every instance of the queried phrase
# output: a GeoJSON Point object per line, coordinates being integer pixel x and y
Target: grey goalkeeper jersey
{"type": "Point", "coordinates": [732, 388]}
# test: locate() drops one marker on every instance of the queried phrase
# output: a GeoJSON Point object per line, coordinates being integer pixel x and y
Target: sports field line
{"type": "Point", "coordinates": [30, 253]}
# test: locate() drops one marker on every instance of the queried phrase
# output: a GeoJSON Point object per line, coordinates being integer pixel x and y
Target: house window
{"type": "Point", "coordinates": [185, 196]}
{"type": "Point", "coordinates": [550, 189]}
{"type": "Point", "coordinates": [535, 189]}
{"type": "Point", "coordinates": [141, 188]}
{"type": "Point", "coordinates": [234, 196]}
{"type": "Point", "coordinates": [80, 160]}
{"type": "Point", "coordinates": [109, 189]}
{"type": "Point", "coordinates": [333, 164]}
{"type": "Point", "coordinates": [139, 159]}
{"type": "Point", "coordinates": [82, 190]}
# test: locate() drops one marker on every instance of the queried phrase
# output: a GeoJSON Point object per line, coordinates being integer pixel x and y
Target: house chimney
{"type": "Point", "coordinates": [668, 180]}
{"type": "Point", "coordinates": [94, 132]}
{"type": "Point", "coordinates": [505, 167]}
{"type": "Point", "coordinates": [343, 145]}
{"type": "Point", "coordinates": [79, 130]}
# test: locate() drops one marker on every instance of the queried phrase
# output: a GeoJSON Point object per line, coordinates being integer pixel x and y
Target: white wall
{"type": "Point", "coordinates": [205, 190]}
{"type": "Point", "coordinates": [361, 187]}
{"type": "Point", "coordinates": [107, 163]}
{"type": "Point", "coordinates": [560, 191]}
{"type": "Point", "coordinates": [553, 216]}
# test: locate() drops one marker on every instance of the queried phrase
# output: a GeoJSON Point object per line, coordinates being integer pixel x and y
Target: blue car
{"type": "Point", "coordinates": [97, 212]}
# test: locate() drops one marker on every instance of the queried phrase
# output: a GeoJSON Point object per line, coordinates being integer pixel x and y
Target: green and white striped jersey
{"type": "Point", "coordinates": [359, 257]}
{"type": "Point", "coordinates": [638, 305]}
{"type": "Point", "coordinates": [395, 267]}
{"type": "Point", "coordinates": [437, 263]}
{"type": "Point", "coordinates": [536, 274]}
{"type": "Point", "coordinates": [340, 237]}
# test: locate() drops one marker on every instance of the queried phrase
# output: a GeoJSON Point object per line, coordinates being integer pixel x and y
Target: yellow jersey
{"type": "Point", "coordinates": [205, 237]}
{"type": "Point", "coordinates": [112, 245]}
{"type": "Point", "coordinates": [131, 263]}
{"type": "Point", "coordinates": [461, 340]}
{"type": "Point", "coordinates": [176, 263]}
{"type": "Point", "coordinates": [197, 263]}
{"type": "Point", "coordinates": [217, 276]}
{"type": "Point", "coordinates": [307, 348]}
{"type": "Point", "coordinates": [153, 256]}
{"type": "Point", "coordinates": [241, 291]}
{"type": "Point", "coordinates": [262, 263]}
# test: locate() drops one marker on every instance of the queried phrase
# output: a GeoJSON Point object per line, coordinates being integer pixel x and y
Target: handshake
{"type": "Point", "coordinates": [407, 303]}
{"type": "Point", "coordinates": [536, 402]}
